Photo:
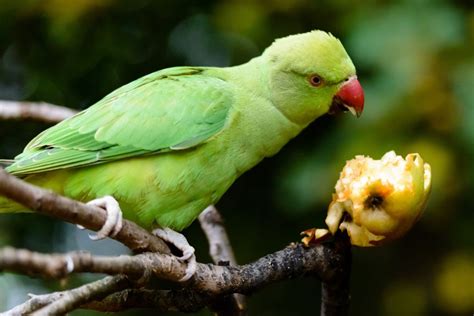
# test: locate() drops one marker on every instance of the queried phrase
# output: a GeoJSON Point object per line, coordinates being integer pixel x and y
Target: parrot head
{"type": "Point", "coordinates": [310, 75]}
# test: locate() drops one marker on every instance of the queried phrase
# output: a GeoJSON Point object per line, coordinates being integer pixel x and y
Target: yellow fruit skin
{"type": "Point", "coordinates": [379, 200]}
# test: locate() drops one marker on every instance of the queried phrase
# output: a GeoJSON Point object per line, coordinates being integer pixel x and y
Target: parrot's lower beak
{"type": "Point", "coordinates": [350, 97]}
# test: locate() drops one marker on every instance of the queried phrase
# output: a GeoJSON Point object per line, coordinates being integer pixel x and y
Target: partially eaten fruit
{"type": "Point", "coordinates": [379, 200]}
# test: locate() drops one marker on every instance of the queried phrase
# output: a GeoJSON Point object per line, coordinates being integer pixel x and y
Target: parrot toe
{"type": "Point", "coordinates": [190, 269]}
{"type": "Point", "coordinates": [113, 223]}
{"type": "Point", "coordinates": [181, 243]}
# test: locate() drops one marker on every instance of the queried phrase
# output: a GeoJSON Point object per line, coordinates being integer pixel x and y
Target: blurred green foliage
{"type": "Point", "coordinates": [414, 60]}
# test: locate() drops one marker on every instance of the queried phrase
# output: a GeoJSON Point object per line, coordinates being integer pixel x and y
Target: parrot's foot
{"type": "Point", "coordinates": [113, 223]}
{"type": "Point", "coordinates": [180, 242]}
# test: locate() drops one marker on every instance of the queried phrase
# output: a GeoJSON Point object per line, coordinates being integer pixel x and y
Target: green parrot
{"type": "Point", "coordinates": [165, 146]}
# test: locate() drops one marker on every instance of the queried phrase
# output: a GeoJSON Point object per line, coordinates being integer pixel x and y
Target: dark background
{"type": "Point", "coordinates": [414, 60]}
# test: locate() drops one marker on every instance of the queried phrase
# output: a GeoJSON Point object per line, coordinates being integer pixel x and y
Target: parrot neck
{"type": "Point", "coordinates": [253, 77]}
{"type": "Point", "coordinates": [255, 123]}
{"type": "Point", "coordinates": [259, 77]}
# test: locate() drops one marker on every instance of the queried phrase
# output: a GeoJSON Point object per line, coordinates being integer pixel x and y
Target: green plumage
{"type": "Point", "coordinates": [172, 109]}
{"type": "Point", "coordinates": [169, 144]}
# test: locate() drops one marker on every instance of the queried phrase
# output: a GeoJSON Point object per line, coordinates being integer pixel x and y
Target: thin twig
{"type": "Point", "coordinates": [212, 224]}
{"type": "Point", "coordinates": [38, 111]}
{"type": "Point", "coordinates": [34, 303]}
{"type": "Point", "coordinates": [221, 252]}
{"type": "Point", "coordinates": [59, 303]}
{"type": "Point", "coordinates": [91, 217]}
{"type": "Point", "coordinates": [183, 300]}
{"type": "Point", "coordinates": [74, 298]}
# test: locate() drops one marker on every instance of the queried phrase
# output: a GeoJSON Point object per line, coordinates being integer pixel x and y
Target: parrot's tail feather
{"type": "Point", "coordinates": [6, 162]}
{"type": "Point", "coordinates": [8, 206]}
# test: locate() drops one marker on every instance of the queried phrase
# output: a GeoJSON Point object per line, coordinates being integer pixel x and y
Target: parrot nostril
{"type": "Point", "coordinates": [374, 201]}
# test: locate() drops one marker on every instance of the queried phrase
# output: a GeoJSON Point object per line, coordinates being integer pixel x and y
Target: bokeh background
{"type": "Point", "coordinates": [414, 60]}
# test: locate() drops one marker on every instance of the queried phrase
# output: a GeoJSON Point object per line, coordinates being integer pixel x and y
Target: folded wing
{"type": "Point", "coordinates": [172, 109]}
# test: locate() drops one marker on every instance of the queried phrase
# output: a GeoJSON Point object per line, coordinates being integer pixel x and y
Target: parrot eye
{"type": "Point", "coordinates": [315, 80]}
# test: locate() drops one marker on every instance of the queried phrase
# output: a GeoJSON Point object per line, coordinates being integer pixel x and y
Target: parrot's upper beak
{"type": "Point", "coordinates": [350, 97]}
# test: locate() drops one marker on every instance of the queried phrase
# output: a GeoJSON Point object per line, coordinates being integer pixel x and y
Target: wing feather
{"type": "Point", "coordinates": [172, 109]}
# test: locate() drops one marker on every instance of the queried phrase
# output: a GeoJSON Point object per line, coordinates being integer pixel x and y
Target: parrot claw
{"type": "Point", "coordinates": [113, 223]}
{"type": "Point", "coordinates": [179, 241]}
{"type": "Point", "coordinates": [190, 269]}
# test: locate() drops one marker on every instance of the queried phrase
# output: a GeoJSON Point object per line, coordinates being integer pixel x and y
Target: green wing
{"type": "Point", "coordinates": [172, 109]}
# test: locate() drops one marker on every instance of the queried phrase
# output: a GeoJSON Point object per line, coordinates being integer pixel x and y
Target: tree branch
{"type": "Point", "coordinates": [91, 217]}
{"type": "Point", "coordinates": [322, 260]}
{"type": "Point", "coordinates": [34, 303]}
{"type": "Point", "coordinates": [220, 249]}
{"type": "Point", "coordinates": [61, 265]}
{"type": "Point", "coordinates": [335, 287]}
{"type": "Point", "coordinates": [60, 303]}
{"type": "Point", "coordinates": [72, 299]}
{"type": "Point", "coordinates": [221, 252]}
{"type": "Point", "coordinates": [183, 300]}
{"type": "Point", "coordinates": [38, 111]}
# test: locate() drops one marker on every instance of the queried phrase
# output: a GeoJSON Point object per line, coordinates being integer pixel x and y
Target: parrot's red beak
{"type": "Point", "coordinates": [350, 97]}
